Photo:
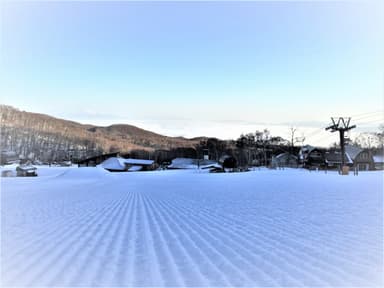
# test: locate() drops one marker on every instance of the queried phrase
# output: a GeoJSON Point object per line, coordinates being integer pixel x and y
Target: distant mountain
{"type": "Point", "coordinates": [40, 136]}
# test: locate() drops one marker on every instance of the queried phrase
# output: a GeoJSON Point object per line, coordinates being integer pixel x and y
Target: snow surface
{"type": "Point", "coordinates": [90, 227]}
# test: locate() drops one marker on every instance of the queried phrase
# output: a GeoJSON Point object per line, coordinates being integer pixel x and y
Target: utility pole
{"type": "Point", "coordinates": [341, 125]}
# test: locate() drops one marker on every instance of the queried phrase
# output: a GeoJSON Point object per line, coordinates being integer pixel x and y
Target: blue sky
{"type": "Point", "coordinates": [196, 68]}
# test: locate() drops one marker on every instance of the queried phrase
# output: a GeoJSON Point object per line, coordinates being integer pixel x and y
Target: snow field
{"type": "Point", "coordinates": [89, 227]}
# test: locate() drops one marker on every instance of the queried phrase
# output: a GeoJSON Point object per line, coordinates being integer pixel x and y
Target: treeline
{"type": "Point", "coordinates": [44, 138]}
{"type": "Point", "coordinates": [252, 149]}
{"type": "Point", "coordinates": [46, 147]}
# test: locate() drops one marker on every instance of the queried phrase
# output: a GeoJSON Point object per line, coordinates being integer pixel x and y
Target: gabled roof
{"type": "Point", "coordinates": [99, 157]}
{"type": "Point", "coordinates": [114, 163]}
{"type": "Point", "coordinates": [286, 154]}
{"type": "Point", "coordinates": [307, 149]}
{"type": "Point", "coordinates": [118, 163]}
{"type": "Point", "coordinates": [353, 151]}
{"type": "Point", "coordinates": [26, 168]}
{"type": "Point", "coordinates": [335, 157]}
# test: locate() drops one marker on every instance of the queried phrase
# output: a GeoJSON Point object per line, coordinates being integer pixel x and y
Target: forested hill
{"type": "Point", "coordinates": [47, 138]}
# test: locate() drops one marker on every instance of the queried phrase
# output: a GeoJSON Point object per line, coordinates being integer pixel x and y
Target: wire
{"type": "Point", "coordinates": [373, 112]}
{"type": "Point", "coordinates": [367, 117]}
{"type": "Point", "coordinates": [378, 122]}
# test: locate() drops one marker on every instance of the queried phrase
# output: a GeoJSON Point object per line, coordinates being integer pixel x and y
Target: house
{"type": "Point", "coordinates": [118, 164]}
{"type": "Point", "coordinates": [191, 163]}
{"type": "Point", "coordinates": [285, 160]}
{"type": "Point", "coordinates": [96, 160]}
{"type": "Point", "coordinates": [362, 158]}
{"type": "Point", "coordinates": [8, 157]}
{"type": "Point", "coordinates": [312, 157]}
{"type": "Point", "coordinates": [7, 173]}
{"type": "Point", "coordinates": [333, 159]}
{"type": "Point", "coordinates": [26, 171]}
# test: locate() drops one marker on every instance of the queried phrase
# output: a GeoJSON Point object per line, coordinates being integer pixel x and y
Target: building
{"type": "Point", "coordinates": [362, 158]}
{"type": "Point", "coordinates": [8, 157]}
{"type": "Point", "coordinates": [26, 171]}
{"type": "Point", "coordinates": [333, 159]}
{"type": "Point", "coordinates": [285, 160]}
{"type": "Point", "coordinates": [312, 157]}
{"type": "Point", "coordinates": [191, 163]}
{"type": "Point", "coordinates": [7, 173]}
{"type": "Point", "coordinates": [96, 160]}
{"type": "Point", "coordinates": [118, 164]}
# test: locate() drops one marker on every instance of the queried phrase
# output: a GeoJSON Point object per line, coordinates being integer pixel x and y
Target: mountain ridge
{"type": "Point", "coordinates": [29, 132]}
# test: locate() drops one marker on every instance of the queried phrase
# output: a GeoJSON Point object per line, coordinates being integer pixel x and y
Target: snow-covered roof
{"type": "Point", "coordinates": [378, 158]}
{"type": "Point", "coordinates": [120, 164]}
{"type": "Point", "coordinates": [353, 151]}
{"type": "Point", "coordinates": [183, 163]}
{"type": "Point", "coordinates": [213, 165]}
{"type": "Point", "coordinates": [307, 149]}
{"type": "Point", "coordinates": [191, 163]}
{"type": "Point", "coordinates": [135, 168]}
{"type": "Point", "coordinates": [335, 157]}
{"type": "Point", "coordinates": [26, 168]}
{"type": "Point", "coordinates": [138, 161]}
{"type": "Point", "coordinates": [114, 163]}
{"type": "Point", "coordinates": [286, 154]}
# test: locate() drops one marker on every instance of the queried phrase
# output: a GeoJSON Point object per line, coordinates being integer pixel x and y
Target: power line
{"type": "Point", "coordinates": [373, 112]}
{"type": "Point", "coordinates": [368, 116]}
{"type": "Point", "coordinates": [378, 122]}
{"type": "Point", "coordinates": [377, 118]}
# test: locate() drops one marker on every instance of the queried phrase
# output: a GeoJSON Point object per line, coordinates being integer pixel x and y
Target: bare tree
{"type": "Point", "coordinates": [293, 139]}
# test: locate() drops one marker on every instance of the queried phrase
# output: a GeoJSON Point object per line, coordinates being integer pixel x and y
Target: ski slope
{"type": "Point", "coordinates": [89, 227]}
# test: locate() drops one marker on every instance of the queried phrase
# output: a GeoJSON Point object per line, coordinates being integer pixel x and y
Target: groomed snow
{"type": "Point", "coordinates": [89, 227]}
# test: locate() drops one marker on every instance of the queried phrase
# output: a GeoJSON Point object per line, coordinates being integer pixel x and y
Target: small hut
{"type": "Point", "coordinates": [7, 173]}
{"type": "Point", "coordinates": [26, 171]}
{"type": "Point", "coordinates": [285, 160]}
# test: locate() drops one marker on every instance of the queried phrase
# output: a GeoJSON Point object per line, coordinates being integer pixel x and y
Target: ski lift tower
{"type": "Point", "coordinates": [341, 125]}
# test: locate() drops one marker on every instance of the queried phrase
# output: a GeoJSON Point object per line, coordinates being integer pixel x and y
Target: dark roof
{"type": "Point", "coordinates": [335, 157]}
{"type": "Point", "coordinates": [98, 158]}
{"type": "Point", "coordinates": [353, 151]}
{"type": "Point", "coordinates": [286, 155]}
